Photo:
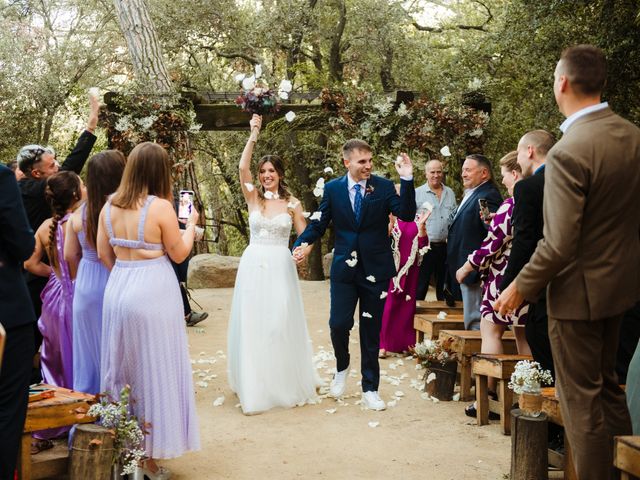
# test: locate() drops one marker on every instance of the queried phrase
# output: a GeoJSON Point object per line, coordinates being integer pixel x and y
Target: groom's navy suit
{"type": "Point", "coordinates": [369, 239]}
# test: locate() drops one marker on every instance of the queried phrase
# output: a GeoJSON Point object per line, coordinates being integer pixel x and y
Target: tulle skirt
{"type": "Point", "coordinates": [270, 356]}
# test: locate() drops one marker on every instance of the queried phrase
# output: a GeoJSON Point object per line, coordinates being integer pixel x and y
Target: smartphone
{"type": "Point", "coordinates": [484, 209]}
{"type": "Point", "coordinates": [185, 204]}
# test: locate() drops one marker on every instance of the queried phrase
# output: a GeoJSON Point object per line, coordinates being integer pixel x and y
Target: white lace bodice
{"type": "Point", "coordinates": [270, 231]}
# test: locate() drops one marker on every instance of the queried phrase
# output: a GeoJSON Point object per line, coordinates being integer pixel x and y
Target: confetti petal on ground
{"type": "Point", "coordinates": [218, 401]}
{"type": "Point", "coordinates": [392, 403]}
{"type": "Point", "coordinates": [456, 397]}
{"type": "Point", "coordinates": [202, 384]}
{"type": "Point", "coordinates": [331, 410]}
{"type": "Point", "coordinates": [442, 315]}
{"type": "Point", "coordinates": [399, 393]}
{"type": "Point", "coordinates": [374, 424]}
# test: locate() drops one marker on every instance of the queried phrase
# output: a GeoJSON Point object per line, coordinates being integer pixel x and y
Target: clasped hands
{"type": "Point", "coordinates": [301, 252]}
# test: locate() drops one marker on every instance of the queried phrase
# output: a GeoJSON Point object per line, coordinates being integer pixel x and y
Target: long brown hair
{"type": "Point", "coordinates": [148, 172]}
{"type": "Point", "coordinates": [278, 165]}
{"type": "Point", "coordinates": [104, 172]}
{"type": "Point", "coordinates": [63, 190]}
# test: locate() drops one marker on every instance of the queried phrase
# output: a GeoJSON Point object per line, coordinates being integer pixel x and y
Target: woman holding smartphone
{"type": "Point", "coordinates": [144, 342]}
{"type": "Point", "coordinates": [491, 261]}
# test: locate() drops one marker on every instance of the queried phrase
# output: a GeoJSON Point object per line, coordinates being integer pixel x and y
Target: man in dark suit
{"type": "Point", "coordinates": [38, 163]}
{"type": "Point", "coordinates": [588, 257]}
{"type": "Point", "coordinates": [359, 204]}
{"type": "Point", "coordinates": [18, 319]}
{"type": "Point", "coordinates": [467, 231]}
{"type": "Point", "coordinates": [527, 223]}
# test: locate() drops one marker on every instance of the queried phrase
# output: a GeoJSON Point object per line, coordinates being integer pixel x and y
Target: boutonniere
{"type": "Point", "coordinates": [369, 190]}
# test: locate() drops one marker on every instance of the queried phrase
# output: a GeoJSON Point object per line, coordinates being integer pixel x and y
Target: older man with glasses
{"type": "Point", "coordinates": [38, 163]}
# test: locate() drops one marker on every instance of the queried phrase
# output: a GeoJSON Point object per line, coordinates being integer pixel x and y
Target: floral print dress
{"type": "Point", "coordinates": [491, 261]}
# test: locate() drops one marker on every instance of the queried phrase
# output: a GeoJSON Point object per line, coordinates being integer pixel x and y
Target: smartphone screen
{"type": "Point", "coordinates": [484, 208]}
{"type": "Point", "coordinates": [185, 205]}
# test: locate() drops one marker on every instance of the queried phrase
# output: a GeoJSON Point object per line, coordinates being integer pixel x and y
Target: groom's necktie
{"type": "Point", "coordinates": [357, 202]}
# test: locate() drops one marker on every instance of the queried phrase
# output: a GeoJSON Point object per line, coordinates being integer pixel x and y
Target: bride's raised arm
{"type": "Point", "coordinates": [246, 180]}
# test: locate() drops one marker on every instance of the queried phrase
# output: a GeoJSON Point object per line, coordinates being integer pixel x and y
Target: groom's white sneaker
{"type": "Point", "coordinates": [373, 401]}
{"type": "Point", "coordinates": [338, 383]}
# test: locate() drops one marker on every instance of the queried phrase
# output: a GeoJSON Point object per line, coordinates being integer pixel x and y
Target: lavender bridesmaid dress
{"type": "Point", "coordinates": [90, 284]}
{"type": "Point", "coordinates": [144, 345]}
{"type": "Point", "coordinates": [397, 333]}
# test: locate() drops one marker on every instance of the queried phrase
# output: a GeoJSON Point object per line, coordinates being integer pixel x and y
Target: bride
{"type": "Point", "coordinates": [269, 350]}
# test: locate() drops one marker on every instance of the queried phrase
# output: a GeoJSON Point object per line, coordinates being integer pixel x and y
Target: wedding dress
{"type": "Point", "coordinates": [270, 354]}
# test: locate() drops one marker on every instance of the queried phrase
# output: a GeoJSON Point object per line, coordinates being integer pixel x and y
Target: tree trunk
{"type": "Point", "coordinates": [336, 65]}
{"type": "Point", "coordinates": [144, 47]}
{"type": "Point", "coordinates": [528, 446]}
{"type": "Point", "coordinates": [91, 453]}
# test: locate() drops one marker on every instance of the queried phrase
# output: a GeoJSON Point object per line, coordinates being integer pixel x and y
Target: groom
{"type": "Point", "coordinates": [359, 205]}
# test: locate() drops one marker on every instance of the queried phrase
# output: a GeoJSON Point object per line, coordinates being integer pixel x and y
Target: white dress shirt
{"type": "Point", "coordinates": [581, 113]}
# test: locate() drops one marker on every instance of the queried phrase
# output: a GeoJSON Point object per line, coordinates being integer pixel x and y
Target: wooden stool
{"type": "Point", "coordinates": [500, 367]}
{"type": "Point", "coordinates": [64, 409]}
{"type": "Point", "coordinates": [437, 307]}
{"type": "Point", "coordinates": [626, 456]}
{"type": "Point", "coordinates": [429, 325]}
{"type": "Point", "coordinates": [467, 343]}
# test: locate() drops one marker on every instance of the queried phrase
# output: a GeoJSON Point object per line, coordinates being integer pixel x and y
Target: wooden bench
{"type": "Point", "coordinates": [551, 406]}
{"type": "Point", "coordinates": [466, 344]}
{"type": "Point", "coordinates": [64, 409]}
{"type": "Point", "coordinates": [429, 325]}
{"type": "Point", "coordinates": [626, 456]}
{"type": "Point", "coordinates": [423, 307]}
{"type": "Point", "coordinates": [499, 366]}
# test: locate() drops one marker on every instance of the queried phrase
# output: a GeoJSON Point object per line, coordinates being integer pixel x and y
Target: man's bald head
{"type": "Point", "coordinates": [533, 148]}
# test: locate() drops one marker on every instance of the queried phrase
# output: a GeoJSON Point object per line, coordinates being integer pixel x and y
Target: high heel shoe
{"type": "Point", "coordinates": [142, 473]}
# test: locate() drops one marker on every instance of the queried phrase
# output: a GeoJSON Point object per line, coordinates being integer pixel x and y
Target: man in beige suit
{"type": "Point", "coordinates": [589, 256]}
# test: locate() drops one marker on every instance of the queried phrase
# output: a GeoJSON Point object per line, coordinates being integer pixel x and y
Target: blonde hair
{"type": "Point", "coordinates": [510, 162]}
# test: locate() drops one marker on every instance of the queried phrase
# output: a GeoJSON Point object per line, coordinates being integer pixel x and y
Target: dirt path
{"type": "Point", "coordinates": [416, 438]}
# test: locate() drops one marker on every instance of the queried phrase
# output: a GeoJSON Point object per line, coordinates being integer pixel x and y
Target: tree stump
{"type": "Point", "coordinates": [529, 458]}
{"type": "Point", "coordinates": [91, 453]}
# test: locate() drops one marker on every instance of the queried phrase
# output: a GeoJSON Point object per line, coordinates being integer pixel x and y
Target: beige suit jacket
{"type": "Point", "coordinates": [590, 254]}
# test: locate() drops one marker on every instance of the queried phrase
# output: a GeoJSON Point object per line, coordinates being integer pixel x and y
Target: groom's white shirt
{"type": "Point", "coordinates": [352, 191]}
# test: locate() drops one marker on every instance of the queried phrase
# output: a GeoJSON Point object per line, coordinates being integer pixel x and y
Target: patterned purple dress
{"type": "Point", "coordinates": [144, 345]}
{"type": "Point", "coordinates": [55, 322]}
{"type": "Point", "coordinates": [397, 333]}
{"type": "Point", "coordinates": [491, 261]}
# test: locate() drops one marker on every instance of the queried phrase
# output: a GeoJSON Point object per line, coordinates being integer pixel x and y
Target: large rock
{"type": "Point", "coordinates": [326, 264]}
{"type": "Point", "coordinates": [209, 270]}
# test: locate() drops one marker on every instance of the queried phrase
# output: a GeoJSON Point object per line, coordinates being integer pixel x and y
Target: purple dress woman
{"type": "Point", "coordinates": [55, 322]}
{"type": "Point", "coordinates": [491, 261]}
{"type": "Point", "coordinates": [90, 283]}
{"type": "Point", "coordinates": [144, 345]}
{"type": "Point", "coordinates": [397, 333]}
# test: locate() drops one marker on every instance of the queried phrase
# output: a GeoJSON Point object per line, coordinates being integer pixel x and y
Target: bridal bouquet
{"type": "Point", "coordinates": [256, 97]}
